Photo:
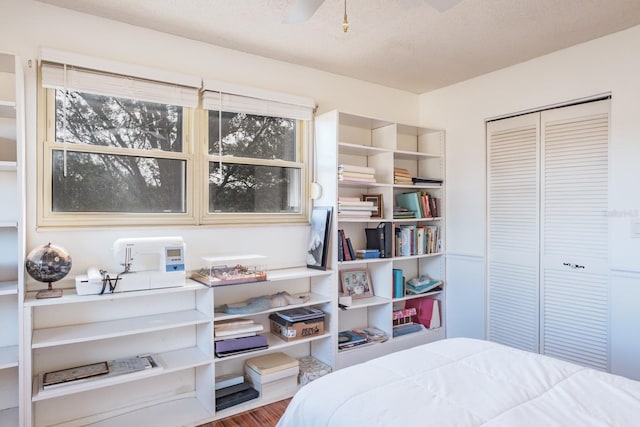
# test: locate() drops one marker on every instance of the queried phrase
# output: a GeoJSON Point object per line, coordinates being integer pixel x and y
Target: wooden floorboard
{"type": "Point", "coordinates": [264, 416]}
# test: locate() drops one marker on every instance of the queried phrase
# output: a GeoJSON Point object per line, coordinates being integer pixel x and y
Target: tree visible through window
{"type": "Point", "coordinates": [121, 170]}
{"type": "Point", "coordinates": [244, 174]}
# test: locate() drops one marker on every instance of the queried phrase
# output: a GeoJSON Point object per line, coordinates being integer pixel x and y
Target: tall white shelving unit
{"type": "Point", "coordinates": [382, 145]}
{"type": "Point", "coordinates": [11, 235]}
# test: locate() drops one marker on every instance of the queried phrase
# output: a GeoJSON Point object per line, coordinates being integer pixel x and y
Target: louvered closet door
{"type": "Point", "coordinates": [513, 231]}
{"type": "Point", "coordinates": [574, 263]}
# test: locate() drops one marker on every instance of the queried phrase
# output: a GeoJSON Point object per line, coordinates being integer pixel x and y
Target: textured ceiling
{"type": "Point", "coordinates": [404, 44]}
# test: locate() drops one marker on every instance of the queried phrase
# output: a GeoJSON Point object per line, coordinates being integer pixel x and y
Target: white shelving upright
{"type": "Point", "coordinates": [11, 235]}
{"type": "Point", "coordinates": [382, 145]}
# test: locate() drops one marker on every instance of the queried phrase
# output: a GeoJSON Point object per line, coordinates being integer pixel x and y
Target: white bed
{"type": "Point", "coordinates": [465, 382]}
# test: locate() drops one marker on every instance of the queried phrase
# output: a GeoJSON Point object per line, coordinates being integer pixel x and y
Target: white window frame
{"type": "Point", "coordinates": [195, 144]}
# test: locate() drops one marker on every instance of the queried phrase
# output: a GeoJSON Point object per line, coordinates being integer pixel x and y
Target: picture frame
{"type": "Point", "coordinates": [377, 202]}
{"type": "Point", "coordinates": [356, 283]}
{"type": "Point", "coordinates": [318, 249]}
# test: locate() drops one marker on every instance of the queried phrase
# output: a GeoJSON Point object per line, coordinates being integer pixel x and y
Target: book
{"type": "Point", "coordinates": [367, 253]}
{"type": "Point", "coordinates": [411, 201]}
{"type": "Point", "coordinates": [228, 380]}
{"type": "Point", "coordinates": [340, 245]}
{"type": "Point", "coordinates": [232, 323]}
{"type": "Point", "coordinates": [398, 283]}
{"type": "Point", "coordinates": [235, 394]}
{"type": "Point", "coordinates": [68, 375]}
{"type": "Point", "coordinates": [238, 335]}
{"type": "Point", "coordinates": [239, 329]}
{"type": "Point", "coordinates": [422, 284]}
{"type": "Point", "coordinates": [349, 338]}
{"type": "Point", "coordinates": [229, 347]}
{"type": "Point", "coordinates": [372, 334]}
{"type": "Point", "coordinates": [353, 168]}
{"type": "Point", "coordinates": [407, 328]}
{"type": "Point", "coordinates": [352, 254]}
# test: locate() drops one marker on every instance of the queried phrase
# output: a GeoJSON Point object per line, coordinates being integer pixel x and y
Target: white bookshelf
{"type": "Point", "coordinates": [318, 285]}
{"type": "Point", "coordinates": [11, 237]}
{"type": "Point", "coordinates": [174, 324]}
{"type": "Point", "coordinates": [344, 138]}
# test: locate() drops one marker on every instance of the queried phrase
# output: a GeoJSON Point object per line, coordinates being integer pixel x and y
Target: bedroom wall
{"type": "Point", "coordinates": [608, 64]}
{"type": "Point", "coordinates": [26, 25]}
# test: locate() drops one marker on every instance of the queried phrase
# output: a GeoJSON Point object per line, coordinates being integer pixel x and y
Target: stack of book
{"type": "Point", "coordinates": [349, 339]}
{"type": "Point", "coordinates": [238, 336]}
{"type": "Point", "coordinates": [400, 212]}
{"type": "Point", "coordinates": [232, 389]}
{"type": "Point", "coordinates": [353, 207]}
{"type": "Point", "coordinates": [367, 253]}
{"type": "Point", "coordinates": [422, 204]}
{"type": "Point", "coordinates": [402, 176]}
{"type": "Point", "coordinates": [345, 248]}
{"type": "Point", "coordinates": [432, 181]}
{"type": "Point", "coordinates": [421, 284]}
{"type": "Point", "coordinates": [356, 174]}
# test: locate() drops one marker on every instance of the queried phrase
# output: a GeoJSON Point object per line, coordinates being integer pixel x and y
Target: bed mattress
{"type": "Point", "coordinates": [465, 382]}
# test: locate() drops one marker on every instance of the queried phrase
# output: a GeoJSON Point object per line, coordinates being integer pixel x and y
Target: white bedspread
{"type": "Point", "coordinates": [465, 382]}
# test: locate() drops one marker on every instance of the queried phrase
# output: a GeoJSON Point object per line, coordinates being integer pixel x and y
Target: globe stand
{"type": "Point", "coordinates": [49, 292]}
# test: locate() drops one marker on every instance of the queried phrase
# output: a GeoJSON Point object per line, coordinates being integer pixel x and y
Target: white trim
{"type": "Point", "coordinates": [252, 92]}
{"type": "Point", "coordinates": [106, 65]}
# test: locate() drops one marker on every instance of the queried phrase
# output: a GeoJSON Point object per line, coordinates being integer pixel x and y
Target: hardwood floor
{"type": "Point", "coordinates": [264, 416]}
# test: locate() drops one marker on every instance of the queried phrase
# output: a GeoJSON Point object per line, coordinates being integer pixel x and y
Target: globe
{"type": "Point", "coordinates": [48, 263]}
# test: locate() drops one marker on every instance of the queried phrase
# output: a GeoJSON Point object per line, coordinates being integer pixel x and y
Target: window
{"type": "Point", "coordinates": [255, 158]}
{"type": "Point", "coordinates": [131, 151]}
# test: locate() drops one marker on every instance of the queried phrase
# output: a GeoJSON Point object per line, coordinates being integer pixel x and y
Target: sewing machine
{"type": "Point", "coordinates": [147, 263]}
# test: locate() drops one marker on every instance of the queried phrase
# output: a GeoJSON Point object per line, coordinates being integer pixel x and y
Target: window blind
{"type": "Point", "coordinates": [241, 99]}
{"type": "Point", "coordinates": [60, 76]}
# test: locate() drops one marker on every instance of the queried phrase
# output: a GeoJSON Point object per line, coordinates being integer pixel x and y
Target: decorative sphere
{"type": "Point", "coordinates": [48, 263]}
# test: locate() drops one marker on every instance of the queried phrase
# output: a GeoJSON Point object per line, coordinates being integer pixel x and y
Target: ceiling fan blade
{"type": "Point", "coordinates": [443, 5]}
{"type": "Point", "coordinates": [302, 10]}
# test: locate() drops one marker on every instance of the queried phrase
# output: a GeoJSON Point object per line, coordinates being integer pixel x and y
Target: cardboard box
{"type": "Point", "coordinates": [291, 331]}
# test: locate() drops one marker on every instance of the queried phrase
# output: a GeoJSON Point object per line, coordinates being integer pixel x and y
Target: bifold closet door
{"type": "Point", "coordinates": [513, 251]}
{"type": "Point", "coordinates": [574, 234]}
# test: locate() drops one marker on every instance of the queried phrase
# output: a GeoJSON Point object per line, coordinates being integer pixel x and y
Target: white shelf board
{"type": "Point", "coordinates": [9, 417]}
{"type": "Point", "coordinates": [49, 337]}
{"type": "Point", "coordinates": [360, 261]}
{"type": "Point", "coordinates": [8, 357]}
{"type": "Point", "coordinates": [295, 273]}
{"type": "Point", "coordinates": [364, 184]}
{"type": "Point", "coordinates": [8, 166]}
{"type": "Point", "coordinates": [367, 302]}
{"type": "Point", "coordinates": [359, 220]}
{"type": "Point", "coordinates": [421, 186]}
{"type": "Point", "coordinates": [360, 150]}
{"type": "Point", "coordinates": [419, 256]}
{"type": "Point", "coordinates": [221, 258]}
{"type": "Point", "coordinates": [8, 288]}
{"type": "Point", "coordinates": [426, 294]}
{"type": "Point", "coordinates": [177, 412]}
{"type": "Point", "coordinates": [413, 220]}
{"type": "Point", "coordinates": [69, 296]}
{"type": "Point", "coordinates": [414, 155]}
{"type": "Point", "coordinates": [171, 361]}
{"type": "Point", "coordinates": [275, 344]}
{"type": "Point", "coordinates": [314, 299]}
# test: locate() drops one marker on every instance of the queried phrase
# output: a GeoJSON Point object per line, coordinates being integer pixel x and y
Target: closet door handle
{"type": "Point", "coordinates": [572, 265]}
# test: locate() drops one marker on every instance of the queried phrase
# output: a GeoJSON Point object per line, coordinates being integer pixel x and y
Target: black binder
{"type": "Point", "coordinates": [381, 238]}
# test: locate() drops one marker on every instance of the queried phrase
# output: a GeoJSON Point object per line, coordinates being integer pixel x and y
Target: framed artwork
{"type": "Point", "coordinates": [356, 283]}
{"type": "Point", "coordinates": [377, 202]}
{"type": "Point", "coordinates": [318, 250]}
